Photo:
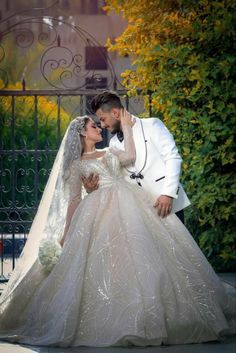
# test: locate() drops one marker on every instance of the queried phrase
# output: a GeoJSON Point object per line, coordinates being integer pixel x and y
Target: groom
{"type": "Point", "coordinates": [158, 164]}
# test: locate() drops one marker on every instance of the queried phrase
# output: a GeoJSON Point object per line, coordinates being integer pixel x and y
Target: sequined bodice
{"type": "Point", "coordinates": [107, 167]}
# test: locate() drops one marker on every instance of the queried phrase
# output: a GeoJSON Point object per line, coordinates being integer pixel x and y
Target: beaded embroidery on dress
{"type": "Point", "coordinates": [124, 277]}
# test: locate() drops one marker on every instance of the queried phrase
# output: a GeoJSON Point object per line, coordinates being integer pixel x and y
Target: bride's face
{"type": "Point", "coordinates": [93, 132]}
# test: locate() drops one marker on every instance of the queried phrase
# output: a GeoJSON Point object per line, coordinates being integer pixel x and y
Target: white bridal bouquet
{"type": "Point", "coordinates": [49, 253]}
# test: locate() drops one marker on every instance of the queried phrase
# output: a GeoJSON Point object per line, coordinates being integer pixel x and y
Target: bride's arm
{"type": "Point", "coordinates": [73, 204]}
{"type": "Point", "coordinates": [75, 187]}
{"type": "Point", "coordinates": [127, 156]}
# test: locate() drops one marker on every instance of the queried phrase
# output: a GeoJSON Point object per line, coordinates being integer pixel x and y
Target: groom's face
{"type": "Point", "coordinates": [110, 120]}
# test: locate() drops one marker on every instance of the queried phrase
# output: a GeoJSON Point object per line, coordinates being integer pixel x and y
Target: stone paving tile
{"type": "Point", "coordinates": [229, 346]}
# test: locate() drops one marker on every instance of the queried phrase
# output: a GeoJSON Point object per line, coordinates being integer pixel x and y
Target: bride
{"type": "Point", "coordinates": [124, 277]}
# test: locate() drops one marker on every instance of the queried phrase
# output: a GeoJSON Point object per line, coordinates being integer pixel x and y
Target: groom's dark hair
{"type": "Point", "coordinates": [106, 101]}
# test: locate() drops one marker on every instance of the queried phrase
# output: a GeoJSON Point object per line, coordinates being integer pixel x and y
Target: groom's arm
{"type": "Point", "coordinates": [165, 144]}
{"type": "Point", "coordinates": [91, 183]}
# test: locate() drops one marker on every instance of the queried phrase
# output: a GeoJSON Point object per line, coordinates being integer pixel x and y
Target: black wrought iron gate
{"type": "Point", "coordinates": [28, 145]}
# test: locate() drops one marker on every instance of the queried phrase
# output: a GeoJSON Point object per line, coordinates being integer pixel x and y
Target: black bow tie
{"type": "Point", "coordinates": [120, 135]}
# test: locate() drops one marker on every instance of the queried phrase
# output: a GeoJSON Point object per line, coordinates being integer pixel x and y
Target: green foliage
{"type": "Point", "coordinates": [184, 52]}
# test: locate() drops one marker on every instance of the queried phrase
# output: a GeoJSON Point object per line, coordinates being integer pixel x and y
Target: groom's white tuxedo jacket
{"type": "Point", "coordinates": [157, 159]}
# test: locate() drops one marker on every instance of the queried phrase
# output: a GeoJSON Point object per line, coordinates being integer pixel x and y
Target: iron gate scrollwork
{"type": "Point", "coordinates": [61, 66]}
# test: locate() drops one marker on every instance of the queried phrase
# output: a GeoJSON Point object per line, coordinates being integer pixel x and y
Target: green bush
{"type": "Point", "coordinates": [184, 52]}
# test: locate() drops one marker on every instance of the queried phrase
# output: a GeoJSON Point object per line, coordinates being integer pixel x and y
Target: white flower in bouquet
{"type": "Point", "coordinates": [49, 253]}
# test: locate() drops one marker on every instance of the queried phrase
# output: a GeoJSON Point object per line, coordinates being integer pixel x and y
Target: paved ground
{"type": "Point", "coordinates": [228, 346]}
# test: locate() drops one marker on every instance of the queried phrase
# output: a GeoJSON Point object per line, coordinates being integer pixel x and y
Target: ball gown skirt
{"type": "Point", "coordinates": [125, 277]}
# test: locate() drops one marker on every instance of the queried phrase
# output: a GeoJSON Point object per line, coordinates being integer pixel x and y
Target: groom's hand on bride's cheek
{"type": "Point", "coordinates": [91, 183]}
{"type": "Point", "coordinates": [163, 205]}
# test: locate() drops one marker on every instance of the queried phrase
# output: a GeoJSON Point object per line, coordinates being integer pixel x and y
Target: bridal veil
{"type": "Point", "coordinates": [49, 221]}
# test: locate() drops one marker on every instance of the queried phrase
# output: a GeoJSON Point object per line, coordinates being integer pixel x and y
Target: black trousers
{"type": "Point", "coordinates": [180, 215]}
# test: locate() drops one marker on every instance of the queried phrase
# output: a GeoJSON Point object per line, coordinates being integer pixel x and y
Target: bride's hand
{"type": "Point", "coordinates": [126, 118]}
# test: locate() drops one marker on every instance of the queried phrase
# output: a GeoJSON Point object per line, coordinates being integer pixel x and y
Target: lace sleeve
{"type": "Point", "coordinates": [75, 189]}
{"type": "Point", "coordinates": [75, 184]}
{"type": "Point", "coordinates": [127, 156]}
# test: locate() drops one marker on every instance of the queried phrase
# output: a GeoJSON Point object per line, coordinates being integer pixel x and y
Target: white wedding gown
{"type": "Point", "coordinates": [124, 277]}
